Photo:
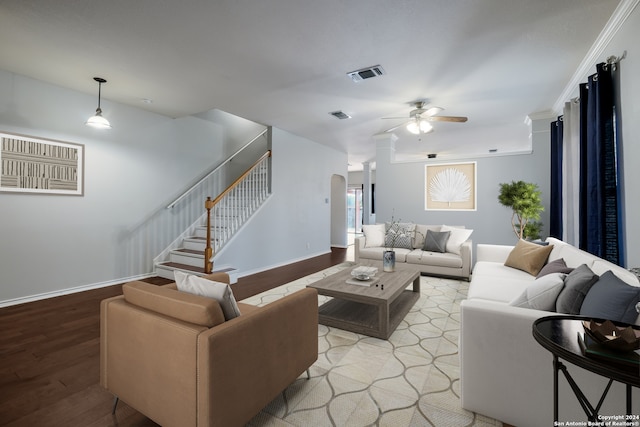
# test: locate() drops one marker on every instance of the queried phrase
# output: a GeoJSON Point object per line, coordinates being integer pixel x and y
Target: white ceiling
{"type": "Point", "coordinates": [284, 62]}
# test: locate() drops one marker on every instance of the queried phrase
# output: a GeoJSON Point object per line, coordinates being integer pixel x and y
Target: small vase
{"type": "Point", "coordinates": [389, 261]}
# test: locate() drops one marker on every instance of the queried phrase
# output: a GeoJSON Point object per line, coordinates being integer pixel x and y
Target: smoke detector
{"type": "Point", "coordinates": [366, 73]}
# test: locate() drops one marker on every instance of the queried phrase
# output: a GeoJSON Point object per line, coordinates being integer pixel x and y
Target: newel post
{"type": "Point", "coordinates": [208, 250]}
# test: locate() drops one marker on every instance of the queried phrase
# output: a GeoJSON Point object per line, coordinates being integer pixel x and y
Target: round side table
{"type": "Point", "coordinates": [560, 335]}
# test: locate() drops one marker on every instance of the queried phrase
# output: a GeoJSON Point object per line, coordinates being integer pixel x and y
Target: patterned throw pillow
{"type": "Point", "coordinates": [399, 235]}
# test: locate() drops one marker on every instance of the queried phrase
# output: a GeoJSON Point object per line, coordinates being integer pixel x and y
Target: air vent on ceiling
{"type": "Point", "coordinates": [493, 150]}
{"type": "Point", "coordinates": [431, 156]}
{"type": "Point", "coordinates": [340, 115]}
{"type": "Point", "coordinates": [366, 73]}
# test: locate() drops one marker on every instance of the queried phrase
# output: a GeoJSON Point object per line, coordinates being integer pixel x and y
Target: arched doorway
{"type": "Point", "coordinates": [338, 211]}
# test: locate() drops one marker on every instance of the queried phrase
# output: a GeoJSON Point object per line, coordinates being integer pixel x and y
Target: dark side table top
{"type": "Point", "coordinates": [559, 335]}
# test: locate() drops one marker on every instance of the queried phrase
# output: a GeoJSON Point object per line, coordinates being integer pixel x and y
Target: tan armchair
{"type": "Point", "coordinates": [171, 356]}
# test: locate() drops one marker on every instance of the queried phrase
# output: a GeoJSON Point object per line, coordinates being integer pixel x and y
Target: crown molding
{"type": "Point", "coordinates": [618, 18]}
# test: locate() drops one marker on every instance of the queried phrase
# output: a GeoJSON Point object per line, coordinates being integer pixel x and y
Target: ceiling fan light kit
{"type": "Point", "coordinates": [417, 127]}
{"type": "Point", "coordinates": [97, 121]}
{"type": "Point", "coordinates": [420, 117]}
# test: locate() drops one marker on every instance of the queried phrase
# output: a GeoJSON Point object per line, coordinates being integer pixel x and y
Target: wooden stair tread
{"type": "Point", "coordinates": [193, 268]}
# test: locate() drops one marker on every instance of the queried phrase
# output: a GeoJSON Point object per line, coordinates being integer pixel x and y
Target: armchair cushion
{"type": "Point", "coordinates": [170, 302]}
{"type": "Point", "coordinates": [221, 292]}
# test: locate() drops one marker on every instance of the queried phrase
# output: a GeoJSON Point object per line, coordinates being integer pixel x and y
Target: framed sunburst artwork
{"type": "Point", "coordinates": [450, 187]}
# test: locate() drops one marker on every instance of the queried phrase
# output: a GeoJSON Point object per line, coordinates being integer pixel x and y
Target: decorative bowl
{"type": "Point", "coordinates": [619, 338]}
{"type": "Point", "coordinates": [364, 273]}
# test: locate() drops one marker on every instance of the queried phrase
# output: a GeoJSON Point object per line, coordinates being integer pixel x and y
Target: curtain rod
{"type": "Point", "coordinates": [613, 60]}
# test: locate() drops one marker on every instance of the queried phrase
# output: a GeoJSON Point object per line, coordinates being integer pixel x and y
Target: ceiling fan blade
{"type": "Point", "coordinates": [432, 111]}
{"type": "Point", "coordinates": [396, 127]}
{"type": "Point", "coordinates": [457, 119]}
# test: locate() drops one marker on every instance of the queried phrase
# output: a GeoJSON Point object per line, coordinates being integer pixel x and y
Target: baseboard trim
{"type": "Point", "coordinates": [282, 264]}
{"type": "Point", "coordinates": [52, 294]}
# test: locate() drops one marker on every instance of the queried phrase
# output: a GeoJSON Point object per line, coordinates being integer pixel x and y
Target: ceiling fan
{"type": "Point", "coordinates": [420, 117]}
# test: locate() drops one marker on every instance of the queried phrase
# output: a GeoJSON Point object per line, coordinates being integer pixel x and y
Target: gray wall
{"type": "Point", "coordinates": [400, 191]}
{"type": "Point", "coordinates": [400, 186]}
{"type": "Point", "coordinates": [52, 244]}
{"type": "Point", "coordinates": [295, 222]}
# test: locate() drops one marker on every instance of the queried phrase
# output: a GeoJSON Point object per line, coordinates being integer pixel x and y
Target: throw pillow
{"type": "Point", "coordinates": [373, 235]}
{"type": "Point", "coordinates": [399, 235]}
{"type": "Point", "coordinates": [576, 287]}
{"type": "Point", "coordinates": [529, 257]}
{"type": "Point", "coordinates": [221, 292]}
{"type": "Point", "coordinates": [555, 266]}
{"type": "Point", "coordinates": [542, 293]}
{"type": "Point", "coordinates": [457, 237]}
{"type": "Point", "coordinates": [436, 241]}
{"type": "Point", "coordinates": [612, 299]}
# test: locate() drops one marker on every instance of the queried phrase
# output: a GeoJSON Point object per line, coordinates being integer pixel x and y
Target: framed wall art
{"type": "Point", "coordinates": [450, 187]}
{"type": "Point", "coordinates": [37, 165]}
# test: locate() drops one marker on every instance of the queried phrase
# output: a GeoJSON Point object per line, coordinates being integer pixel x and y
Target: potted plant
{"type": "Point", "coordinates": [524, 200]}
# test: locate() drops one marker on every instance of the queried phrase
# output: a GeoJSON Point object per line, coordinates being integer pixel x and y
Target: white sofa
{"type": "Point", "coordinates": [506, 374]}
{"type": "Point", "coordinates": [453, 263]}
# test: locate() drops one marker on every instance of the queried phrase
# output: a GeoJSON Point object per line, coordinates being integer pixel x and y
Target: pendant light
{"type": "Point", "coordinates": [98, 121]}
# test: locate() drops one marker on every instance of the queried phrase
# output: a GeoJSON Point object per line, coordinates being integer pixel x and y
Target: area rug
{"type": "Point", "coordinates": [413, 379]}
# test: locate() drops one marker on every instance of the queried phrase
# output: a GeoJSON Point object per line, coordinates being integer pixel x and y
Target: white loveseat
{"type": "Point", "coordinates": [507, 375]}
{"type": "Point", "coordinates": [455, 261]}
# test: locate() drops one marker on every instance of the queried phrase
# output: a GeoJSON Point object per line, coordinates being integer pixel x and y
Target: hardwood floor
{"type": "Point", "coordinates": [49, 375]}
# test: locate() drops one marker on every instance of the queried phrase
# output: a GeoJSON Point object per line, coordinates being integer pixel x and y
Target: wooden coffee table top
{"type": "Point", "coordinates": [389, 284]}
{"type": "Point", "coordinates": [374, 310]}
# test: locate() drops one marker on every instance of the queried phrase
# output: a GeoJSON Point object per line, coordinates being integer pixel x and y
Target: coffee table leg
{"type": "Point", "coordinates": [383, 319]}
{"type": "Point", "coordinates": [416, 284]}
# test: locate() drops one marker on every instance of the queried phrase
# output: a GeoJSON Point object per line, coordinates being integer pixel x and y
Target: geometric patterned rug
{"type": "Point", "coordinates": [412, 379]}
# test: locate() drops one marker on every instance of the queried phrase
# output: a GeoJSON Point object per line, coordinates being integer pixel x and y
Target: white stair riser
{"type": "Point", "coordinates": [202, 232]}
{"type": "Point", "coordinates": [197, 245]}
{"type": "Point", "coordinates": [187, 259]}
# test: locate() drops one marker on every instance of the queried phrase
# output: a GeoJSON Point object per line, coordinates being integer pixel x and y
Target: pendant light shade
{"type": "Point", "coordinates": [98, 121]}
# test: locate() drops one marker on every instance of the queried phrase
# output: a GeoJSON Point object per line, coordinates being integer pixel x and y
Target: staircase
{"type": "Point", "coordinates": [230, 210]}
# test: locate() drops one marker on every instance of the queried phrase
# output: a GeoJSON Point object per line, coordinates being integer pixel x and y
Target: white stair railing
{"type": "Point", "coordinates": [234, 206]}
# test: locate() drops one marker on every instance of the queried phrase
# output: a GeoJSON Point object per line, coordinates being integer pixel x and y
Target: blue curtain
{"type": "Point", "coordinates": [555, 208]}
{"type": "Point", "coordinates": [600, 222]}
{"type": "Point", "coordinates": [600, 219]}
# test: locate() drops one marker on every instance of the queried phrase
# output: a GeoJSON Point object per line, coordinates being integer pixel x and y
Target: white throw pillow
{"type": "Point", "coordinates": [373, 235]}
{"type": "Point", "coordinates": [219, 291]}
{"type": "Point", "coordinates": [457, 237]}
{"type": "Point", "coordinates": [542, 293]}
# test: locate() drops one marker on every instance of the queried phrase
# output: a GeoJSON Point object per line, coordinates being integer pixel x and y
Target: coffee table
{"type": "Point", "coordinates": [374, 310]}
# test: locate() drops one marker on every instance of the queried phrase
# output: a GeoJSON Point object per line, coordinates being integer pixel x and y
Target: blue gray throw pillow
{"type": "Point", "coordinates": [576, 286]}
{"type": "Point", "coordinates": [612, 299]}
{"type": "Point", "coordinates": [436, 241]}
{"type": "Point", "coordinates": [555, 266]}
